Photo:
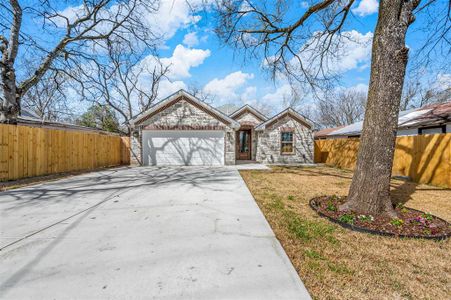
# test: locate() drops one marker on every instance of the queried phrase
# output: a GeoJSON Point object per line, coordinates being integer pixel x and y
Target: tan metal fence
{"type": "Point", "coordinates": [423, 158]}
{"type": "Point", "coordinates": [32, 151]}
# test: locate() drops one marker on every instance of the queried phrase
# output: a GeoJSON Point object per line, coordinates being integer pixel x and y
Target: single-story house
{"type": "Point", "coordinates": [183, 130]}
{"type": "Point", "coordinates": [431, 119]}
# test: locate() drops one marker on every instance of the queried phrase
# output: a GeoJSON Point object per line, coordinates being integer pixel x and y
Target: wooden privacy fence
{"type": "Point", "coordinates": [423, 158]}
{"type": "Point", "coordinates": [32, 151]}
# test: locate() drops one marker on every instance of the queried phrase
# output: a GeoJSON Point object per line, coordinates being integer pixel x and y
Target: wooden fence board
{"type": "Point", "coordinates": [31, 151]}
{"type": "Point", "coordinates": [423, 158]}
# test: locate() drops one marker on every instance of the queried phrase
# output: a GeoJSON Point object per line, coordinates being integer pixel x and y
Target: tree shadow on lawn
{"type": "Point", "coordinates": [401, 190]}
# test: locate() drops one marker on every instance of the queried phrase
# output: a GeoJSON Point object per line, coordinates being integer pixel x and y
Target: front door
{"type": "Point", "coordinates": [243, 144]}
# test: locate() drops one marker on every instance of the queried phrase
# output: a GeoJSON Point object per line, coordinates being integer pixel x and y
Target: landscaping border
{"type": "Point", "coordinates": [313, 206]}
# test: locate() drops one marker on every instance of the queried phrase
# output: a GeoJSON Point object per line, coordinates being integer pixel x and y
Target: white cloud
{"type": "Point", "coordinates": [190, 39]}
{"type": "Point", "coordinates": [355, 52]}
{"type": "Point", "coordinates": [443, 81]}
{"type": "Point", "coordinates": [173, 15]}
{"type": "Point", "coordinates": [277, 97]}
{"type": "Point", "coordinates": [167, 87]}
{"type": "Point", "coordinates": [71, 13]}
{"type": "Point", "coordinates": [168, 17]}
{"type": "Point", "coordinates": [283, 96]}
{"type": "Point", "coordinates": [360, 87]}
{"type": "Point", "coordinates": [352, 51]}
{"type": "Point", "coordinates": [227, 89]}
{"type": "Point", "coordinates": [304, 4]}
{"type": "Point", "coordinates": [180, 63]}
{"type": "Point", "coordinates": [366, 7]}
{"type": "Point", "coordinates": [249, 95]}
{"type": "Point", "coordinates": [183, 59]}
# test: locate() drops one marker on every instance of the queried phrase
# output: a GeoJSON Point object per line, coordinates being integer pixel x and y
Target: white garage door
{"type": "Point", "coordinates": [183, 147]}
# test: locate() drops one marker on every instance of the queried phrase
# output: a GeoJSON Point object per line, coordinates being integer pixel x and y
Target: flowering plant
{"type": "Point", "coordinates": [364, 218]}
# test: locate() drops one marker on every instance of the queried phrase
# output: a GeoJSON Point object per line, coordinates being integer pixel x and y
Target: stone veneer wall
{"type": "Point", "coordinates": [136, 149]}
{"type": "Point", "coordinates": [269, 142]}
{"type": "Point", "coordinates": [185, 114]}
{"type": "Point", "coordinates": [248, 118]}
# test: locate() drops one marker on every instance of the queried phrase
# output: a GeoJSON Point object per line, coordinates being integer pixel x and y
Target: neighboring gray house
{"type": "Point", "coordinates": [430, 119]}
{"type": "Point", "coordinates": [183, 130]}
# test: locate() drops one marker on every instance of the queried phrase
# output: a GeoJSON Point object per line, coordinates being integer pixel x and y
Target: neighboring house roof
{"type": "Point", "coordinates": [326, 131]}
{"type": "Point", "coordinates": [247, 108]}
{"type": "Point", "coordinates": [289, 111]}
{"type": "Point", "coordinates": [29, 118]}
{"type": "Point", "coordinates": [431, 115]}
{"type": "Point", "coordinates": [174, 98]}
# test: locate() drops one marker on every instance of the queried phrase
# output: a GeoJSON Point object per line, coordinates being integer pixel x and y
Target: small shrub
{"type": "Point", "coordinates": [331, 206]}
{"type": "Point", "coordinates": [397, 222]}
{"type": "Point", "coordinates": [347, 218]}
{"type": "Point", "coordinates": [428, 216]}
{"type": "Point", "coordinates": [290, 197]}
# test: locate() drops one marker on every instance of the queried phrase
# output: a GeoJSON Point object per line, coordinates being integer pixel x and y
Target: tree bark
{"type": "Point", "coordinates": [370, 188]}
{"type": "Point", "coordinates": [9, 100]}
{"type": "Point", "coordinates": [9, 106]}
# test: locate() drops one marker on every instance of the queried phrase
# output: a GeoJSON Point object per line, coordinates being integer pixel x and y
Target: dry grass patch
{"type": "Point", "coordinates": [335, 263]}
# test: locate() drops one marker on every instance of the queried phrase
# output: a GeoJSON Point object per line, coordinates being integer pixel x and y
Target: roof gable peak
{"type": "Point", "coordinates": [288, 111]}
{"type": "Point", "coordinates": [250, 109]}
{"type": "Point", "coordinates": [177, 96]}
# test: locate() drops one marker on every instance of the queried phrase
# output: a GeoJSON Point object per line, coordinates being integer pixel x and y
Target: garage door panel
{"type": "Point", "coordinates": [183, 147]}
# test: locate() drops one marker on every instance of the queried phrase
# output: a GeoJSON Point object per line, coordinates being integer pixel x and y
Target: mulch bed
{"type": "Point", "coordinates": [409, 223]}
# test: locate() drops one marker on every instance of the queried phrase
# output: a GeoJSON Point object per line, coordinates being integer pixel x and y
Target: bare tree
{"type": "Point", "coordinates": [305, 47]}
{"type": "Point", "coordinates": [47, 98]}
{"type": "Point", "coordinates": [78, 35]}
{"type": "Point", "coordinates": [341, 108]}
{"type": "Point", "coordinates": [411, 93]}
{"type": "Point", "coordinates": [123, 81]}
{"type": "Point", "coordinates": [198, 92]}
{"type": "Point", "coordinates": [418, 92]}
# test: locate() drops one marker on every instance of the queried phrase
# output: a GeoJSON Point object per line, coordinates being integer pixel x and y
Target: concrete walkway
{"type": "Point", "coordinates": [141, 233]}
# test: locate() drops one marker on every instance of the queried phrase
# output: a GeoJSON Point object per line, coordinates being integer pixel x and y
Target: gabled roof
{"type": "Point", "coordinates": [289, 111]}
{"type": "Point", "coordinates": [250, 109]}
{"type": "Point", "coordinates": [177, 96]}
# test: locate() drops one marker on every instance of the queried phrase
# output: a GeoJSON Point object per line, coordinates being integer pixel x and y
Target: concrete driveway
{"type": "Point", "coordinates": [141, 233]}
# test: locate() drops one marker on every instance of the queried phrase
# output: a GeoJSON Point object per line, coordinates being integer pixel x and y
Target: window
{"type": "Point", "coordinates": [432, 130]}
{"type": "Point", "coordinates": [286, 145]}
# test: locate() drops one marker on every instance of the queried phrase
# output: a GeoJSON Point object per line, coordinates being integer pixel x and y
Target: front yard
{"type": "Point", "coordinates": [336, 263]}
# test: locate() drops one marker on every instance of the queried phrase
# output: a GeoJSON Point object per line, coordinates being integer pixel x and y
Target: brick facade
{"type": "Point", "coordinates": [269, 143]}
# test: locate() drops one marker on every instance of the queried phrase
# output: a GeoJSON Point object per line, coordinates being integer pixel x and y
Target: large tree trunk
{"type": "Point", "coordinates": [9, 98]}
{"type": "Point", "coordinates": [9, 105]}
{"type": "Point", "coordinates": [370, 188]}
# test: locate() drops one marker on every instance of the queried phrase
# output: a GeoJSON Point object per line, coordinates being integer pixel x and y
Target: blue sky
{"type": "Point", "coordinates": [244, 79]}
{"type": "Point", "coordinates": [198, 58]}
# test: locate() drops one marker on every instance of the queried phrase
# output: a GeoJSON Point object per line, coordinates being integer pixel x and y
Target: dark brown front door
{"type": "Point", "coordinates": [243, 138]}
